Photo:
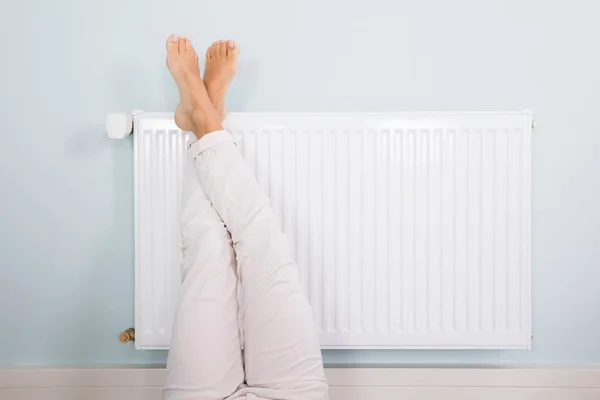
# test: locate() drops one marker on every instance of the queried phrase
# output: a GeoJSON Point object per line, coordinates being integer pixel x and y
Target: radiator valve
{"type": "Point", "coordinates": [127, 336]}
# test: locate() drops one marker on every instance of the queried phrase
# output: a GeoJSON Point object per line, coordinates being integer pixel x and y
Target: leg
{"type": "Point", "coordinates": [205, 360]}
{"type": "Point", "coordinates": [282, 354]}
{"type": "Point", "coordinates": [281, 345]}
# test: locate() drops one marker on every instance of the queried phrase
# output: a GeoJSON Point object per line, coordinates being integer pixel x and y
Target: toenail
{"type": "Point", "coordinates": [230, 43]}
{"type": "Point", "coordinates": [174, 38]}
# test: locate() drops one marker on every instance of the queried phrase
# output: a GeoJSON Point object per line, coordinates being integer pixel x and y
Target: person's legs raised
{"type": "Point", "coordinates": [282, 354]}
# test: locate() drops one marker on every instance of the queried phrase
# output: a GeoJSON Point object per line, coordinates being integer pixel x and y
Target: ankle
{"type": "Point", "coordinates": [223, 114]}
{"type": "Point", "coordinates": [219, 106]}
{"type": "Point", "coordinates": [206, 120]}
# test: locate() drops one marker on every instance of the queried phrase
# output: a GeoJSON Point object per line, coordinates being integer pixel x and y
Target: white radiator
{"type": "Point", "coordinates": [410, 230]}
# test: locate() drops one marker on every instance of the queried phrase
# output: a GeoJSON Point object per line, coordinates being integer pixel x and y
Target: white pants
{"type": "Point", "coordinates": [225, 210]}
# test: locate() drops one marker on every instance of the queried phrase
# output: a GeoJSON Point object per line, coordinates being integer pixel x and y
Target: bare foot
{"type": "Point", "coordinates": [221, 65]}
{"type": "Point", "coordinates": [195, 112]}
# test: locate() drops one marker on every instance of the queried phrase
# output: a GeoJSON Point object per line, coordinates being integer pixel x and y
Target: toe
{"type": "Point", "coordinates": [223, 48]}
{"type": "Point", "coordinates": [181, 46]}
{"type": "Point", "coordinates": [172, 42]}
{"type": "Point", "coordinates": [232, 48]}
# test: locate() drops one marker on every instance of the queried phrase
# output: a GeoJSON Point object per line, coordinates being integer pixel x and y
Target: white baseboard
{"type": "Point", "coordinates": [346, 383]}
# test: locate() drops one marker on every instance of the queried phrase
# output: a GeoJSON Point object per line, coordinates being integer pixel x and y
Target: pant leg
{"type": "Point", "coordinates": [205, 360]}
{"type": "Point", "coordinates": [282, 353]}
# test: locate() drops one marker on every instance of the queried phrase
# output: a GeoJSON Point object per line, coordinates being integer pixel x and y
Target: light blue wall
{"type": "Point", "coordinates": [66, 237]}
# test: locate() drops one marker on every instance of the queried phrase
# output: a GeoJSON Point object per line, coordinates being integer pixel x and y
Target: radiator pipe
{"type": "Point", "coordinates": [127, 335]}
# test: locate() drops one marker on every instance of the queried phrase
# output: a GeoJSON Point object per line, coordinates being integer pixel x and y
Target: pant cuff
{"type": "Point", "coordinates": [209, 141]}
